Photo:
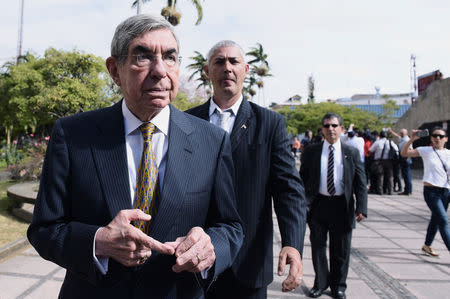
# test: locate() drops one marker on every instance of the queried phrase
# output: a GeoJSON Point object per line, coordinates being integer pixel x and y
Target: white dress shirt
{"type": "Point", "coordinates": [338, 172]}
{"type": "Point", "coordinates": [378, 146]}
{"type": "Point", "coordinates": [358, 143]}
{"type": "Point", "coordinates": [214, 118]}
{"type": "Point", "coordinates": [134, 143]}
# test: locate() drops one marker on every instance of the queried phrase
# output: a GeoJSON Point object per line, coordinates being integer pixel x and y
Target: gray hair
{"type": "Point", "coordinates": [223, 44]}
{"type": "Point", "coordinates": [133, 27]}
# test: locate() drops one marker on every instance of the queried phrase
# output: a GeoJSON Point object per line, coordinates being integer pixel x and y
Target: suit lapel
{"type": "Point", "coordinates": [317, 160]}
{"type": "Point", "coordinates": [178, 159]}
{"type": "Point", "coordinates": [347, 161]}
{"type": "Point", "coordinates": [243, 123]}
{"type": "Point", "coordinates": [110, 157]}
{"type": "Point", "coordinates": [203, 110]}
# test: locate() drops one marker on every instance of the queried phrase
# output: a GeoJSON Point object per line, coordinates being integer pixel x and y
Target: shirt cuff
{"type": "Point", "coordinates": [205, 273]}
{"type": "Point", "coordinates": [100, 263]}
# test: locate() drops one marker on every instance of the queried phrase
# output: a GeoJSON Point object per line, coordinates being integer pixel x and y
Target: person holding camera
{"type": "Point", "coordinates": [436, 183]}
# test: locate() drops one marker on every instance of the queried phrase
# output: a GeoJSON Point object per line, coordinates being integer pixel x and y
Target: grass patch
{"type": "Point", "coordinates": [12, 228]}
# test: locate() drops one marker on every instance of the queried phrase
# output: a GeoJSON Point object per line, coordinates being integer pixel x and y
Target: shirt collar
{"type": "Point", "coordinates": [213, 106]}
{"type": "Point", "coordinates": [160, 120]}
{"type": "Point", "coordinates": [336, 145]}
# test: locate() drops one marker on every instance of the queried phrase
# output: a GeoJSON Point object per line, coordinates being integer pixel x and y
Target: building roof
{"type": "Point", "coordinates": [378, 109]}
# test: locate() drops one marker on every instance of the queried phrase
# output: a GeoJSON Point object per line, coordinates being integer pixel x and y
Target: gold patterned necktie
{"type": "Point", "coordinates": [147, 187]}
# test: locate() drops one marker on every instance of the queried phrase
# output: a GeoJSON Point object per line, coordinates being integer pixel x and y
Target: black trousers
{"type": "Point", "coordinates": [329, 217]}
{"type": "Point", "coordinates": [227, 286]}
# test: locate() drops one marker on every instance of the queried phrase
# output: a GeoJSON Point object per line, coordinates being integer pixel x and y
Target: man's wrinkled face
{"type": "Point", "coordinates": [227, 70]}
{"type": "Point", "coordinates": [331, 130]}
{"type": "Point", "coordinates": [149, 77]}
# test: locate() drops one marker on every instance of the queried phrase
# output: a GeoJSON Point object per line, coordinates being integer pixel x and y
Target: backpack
{"type": "Point", "coordinates": [393, 153]}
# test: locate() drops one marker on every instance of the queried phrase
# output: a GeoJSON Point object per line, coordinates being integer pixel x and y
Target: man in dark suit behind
{"type": "Point", "coordinates": [84, 218]}
{"type": "Point", "coordinates": [264, 169]}
{"type": "Point", "coordinates": [335, 182]}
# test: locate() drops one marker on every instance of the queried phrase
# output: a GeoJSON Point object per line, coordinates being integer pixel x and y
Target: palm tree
{"type": "Point", "coordinates": [259, 66]}
{"type": "Point", "coordinates": [199, 61]}
{"type": "Point", "coordinates": [171, 14]}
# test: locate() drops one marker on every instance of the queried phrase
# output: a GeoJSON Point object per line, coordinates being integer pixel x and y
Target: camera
{"type": "Point", "coordinates": [423, 133]}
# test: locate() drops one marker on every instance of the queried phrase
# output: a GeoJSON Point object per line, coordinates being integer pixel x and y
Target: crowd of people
{"type": "Point", "coordinates": [384, 167]}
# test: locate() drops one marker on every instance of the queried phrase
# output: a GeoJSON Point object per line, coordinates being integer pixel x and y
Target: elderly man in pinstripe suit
{"type": "Point", "coordinates": [264, 170]}
{"type": "Point", "coordinates": [92, 191]}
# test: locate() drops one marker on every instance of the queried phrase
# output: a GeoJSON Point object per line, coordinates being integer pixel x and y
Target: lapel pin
{"type": "Point", "coordinates": [244, 127]}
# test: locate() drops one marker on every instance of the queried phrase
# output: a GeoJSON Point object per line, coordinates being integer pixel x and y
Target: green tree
{"type": "Point", "coordinates": [38, 91]}
{"type": "Point", "coordinates": [199, 62]}
{"type": "Point", "coordinates": [259, 69]}
{"type": "Point", "coordinates": [172, 15]}
{"type": "Point", "coordinates": [182, 102]}
{"type": "Point", "coordinates": [389, 108]}
{"type": "Point", "coordinates": [309, 116]}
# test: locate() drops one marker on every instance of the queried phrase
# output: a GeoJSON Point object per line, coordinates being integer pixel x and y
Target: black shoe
{"type": "Point", "coordinates": [339, 295]}
{"type": "Point", "coordinates": [315, 292]}
{"type": "Point", "coordinates": [404, 193]}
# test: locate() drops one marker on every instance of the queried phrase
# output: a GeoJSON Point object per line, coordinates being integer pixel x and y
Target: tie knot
{"type": "Point", "coordinates": [147, 130]}
{"type": "Point", "coordinates": [331, 147]}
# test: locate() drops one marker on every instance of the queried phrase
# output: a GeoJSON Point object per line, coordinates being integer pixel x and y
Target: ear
{"type": "Point", "coordinates": [113, 68]}
{"type": "Point", "coordinates": [247, 68]}
{"type": "Point", "coordinates": [205, 68]}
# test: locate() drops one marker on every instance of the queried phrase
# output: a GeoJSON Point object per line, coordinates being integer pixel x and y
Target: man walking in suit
{"type": "Point", "coordinates": [335, 182]}
{"type": "Point", "coordinates": [137, 199]}
{"type": "Point", "coordinates": [264, 169]}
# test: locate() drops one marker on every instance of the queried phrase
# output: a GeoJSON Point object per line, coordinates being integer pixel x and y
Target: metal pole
{"type": "Point", "coordinates": [19, 42]}
{"type": "Point", "coordinates": [139, 4]}
{"type": "Point", "coordinates": [413, 79]}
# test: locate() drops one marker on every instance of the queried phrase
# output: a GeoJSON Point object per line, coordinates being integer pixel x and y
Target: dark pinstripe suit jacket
{"type": "Point", "coordinates": [264, 169]}
{"type": "Point", "coordinates": [85, 184]}
{"type": "Point", "coordinates": [354, 179]}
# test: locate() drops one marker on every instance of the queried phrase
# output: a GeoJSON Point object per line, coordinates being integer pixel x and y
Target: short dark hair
{"type": "Point", "coordinates": [437, 128]}
{"type": "Point", "coordinates": [332, 115]}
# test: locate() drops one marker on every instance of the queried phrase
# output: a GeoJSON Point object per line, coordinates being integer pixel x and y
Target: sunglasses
{"type": "Point", "coordinates": [438, 135]}
{"type": "Point", "coordinates": [328, 126]}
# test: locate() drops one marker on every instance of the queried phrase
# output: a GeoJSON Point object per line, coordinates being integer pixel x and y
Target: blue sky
{"type": "Point", "coordinates": [349, 46]}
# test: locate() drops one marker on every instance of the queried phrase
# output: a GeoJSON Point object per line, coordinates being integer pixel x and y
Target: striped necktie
{"type": "Point", "coordinates": [223, 118]}
{"type": "Point", "coordinates": [330, 172]}
{"type": "Point", "coordinates": [147, 187]}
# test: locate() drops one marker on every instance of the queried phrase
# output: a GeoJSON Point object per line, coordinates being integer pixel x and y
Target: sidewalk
{"type": "Point", "coordinates": [386, 260]}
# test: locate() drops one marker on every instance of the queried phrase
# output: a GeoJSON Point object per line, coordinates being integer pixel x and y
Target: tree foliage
{"type": "Point", "coordinates": [309, 116]}
{"type": "Point", "coordinates": [39, 90]}
{"type": "Point", "coordinates": [182, 102]}
{"type": "Point", "coordinates": [389, 108]}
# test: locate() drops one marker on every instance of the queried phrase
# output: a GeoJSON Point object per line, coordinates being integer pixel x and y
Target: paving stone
{"type": "Point", "coordinates": [13, 285]}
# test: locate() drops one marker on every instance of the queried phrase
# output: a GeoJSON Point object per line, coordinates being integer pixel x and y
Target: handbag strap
{"type": "Point", "coordinates": [443, 165]}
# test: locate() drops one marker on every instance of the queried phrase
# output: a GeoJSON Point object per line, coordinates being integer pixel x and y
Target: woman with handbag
{"type": "Point", "coordinates": [436, 183]}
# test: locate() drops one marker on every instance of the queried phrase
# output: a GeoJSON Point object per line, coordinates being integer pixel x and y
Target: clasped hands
{"type": "Point", "coordinates": [128, 245]}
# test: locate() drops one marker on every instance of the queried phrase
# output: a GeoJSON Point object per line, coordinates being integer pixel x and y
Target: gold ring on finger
{"type": "Point", "coordinates": [198, 259]}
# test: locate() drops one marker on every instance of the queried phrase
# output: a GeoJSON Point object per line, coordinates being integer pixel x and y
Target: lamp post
{"type": "Point", "coordinates": [19, 42]}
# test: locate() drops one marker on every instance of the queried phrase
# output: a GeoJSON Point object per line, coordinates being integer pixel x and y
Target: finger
{"type": "Point", "coordinates": [204, 264]}
{"type": "Point", "coordinates": [176, 243]}
{"type": "Point", "coordinates": [200, 251]}
{"type": "Point", "coordinates": [281, 263]}
{"type": "Point", "coordinates": [136, 214]}
{"type": "Point", "coordinates": [150, 243]}
{"type": "Point", "coordinates": [294, 278]}
{"type": "Point", "coordinates": [193, 237]}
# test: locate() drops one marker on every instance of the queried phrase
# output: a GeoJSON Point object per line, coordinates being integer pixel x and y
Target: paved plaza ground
{"type": "Point", "coordinates": [386, 260]}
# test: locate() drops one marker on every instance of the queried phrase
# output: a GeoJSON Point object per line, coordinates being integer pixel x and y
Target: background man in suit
{"type": "Point", "coordinates": [264, 169]}
{"type": "Point", "coordinates": [334, 175]}
{"type": "Point", "coordinates": [84, 207]}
